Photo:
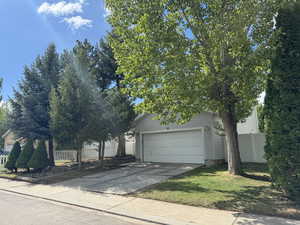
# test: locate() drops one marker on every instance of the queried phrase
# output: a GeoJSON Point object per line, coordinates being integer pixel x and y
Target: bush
{"type": "Point", "coordinates": [282, 105]}
{"type": "Point", "coordinates": [39, 159]}
{"type": "Point", "coordinates": [25, 155]}
{"type": "Point", "coordinates": [13, 156]}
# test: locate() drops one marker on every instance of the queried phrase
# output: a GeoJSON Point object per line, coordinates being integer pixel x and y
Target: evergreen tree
{"type": "Point", "coordinates": [30, 107]}
{"type": "Point", "coordinates": [123, 115]}
{"type": "Point", "coordinates": [100, 62]}
{"type": "Point", "coordinates": [4, 123]}
{"type": "Point", "coordinates": [100, 124]}
{"type": "Point", "coordinates": [25, 156]}
{"type": "Point", "coordinates": [39, 159]}
{"type": "Point", "coordinates": [71, 107]}
{"type": "Point", "coordinates": [13, 156]}
{"type": "Point", "coordinates": [282, 104]}
{"type": "Point", "coordinates": [103, 68]}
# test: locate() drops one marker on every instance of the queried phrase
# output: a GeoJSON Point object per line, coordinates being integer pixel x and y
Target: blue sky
{"type": "Point", "coordinates": [29, 26]}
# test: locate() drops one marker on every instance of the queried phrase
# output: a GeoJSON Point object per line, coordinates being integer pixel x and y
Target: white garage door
{"type": "Point", "coordinates": [174, 147]}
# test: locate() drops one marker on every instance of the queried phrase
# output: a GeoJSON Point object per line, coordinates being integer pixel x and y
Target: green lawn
{"type": "Point", "coordinates": [215, 188]}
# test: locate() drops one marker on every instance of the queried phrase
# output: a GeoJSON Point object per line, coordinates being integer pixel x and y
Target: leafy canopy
{"type": "Point", "coordinates": [184, 57]}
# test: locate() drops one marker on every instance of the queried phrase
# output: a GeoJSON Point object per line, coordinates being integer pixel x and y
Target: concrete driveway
{"type": "Point", "coordinates": [128, 179]}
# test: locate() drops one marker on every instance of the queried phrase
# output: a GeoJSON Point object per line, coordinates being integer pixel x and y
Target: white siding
{"type": "Point", "coordinates": [251, 148]}
{"type": "Point", "coordinates": [249, 125]}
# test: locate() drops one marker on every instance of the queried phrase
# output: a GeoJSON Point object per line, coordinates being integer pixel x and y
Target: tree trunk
{"type": "Point", "coordinates": [51, 151]}
{"type": "Point", "coordinates": [231, 135]}
{"type": "Point", "coordinates": [79, 156]}
{"type": "Point", "coordinates": [121, 146]}
{"type": "Point", "coordinates": [99, 150]}
{"type": "Point", "coordinates": [102, 153]}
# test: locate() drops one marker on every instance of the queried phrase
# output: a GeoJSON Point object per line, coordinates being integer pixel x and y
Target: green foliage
{"type": "Point", "coordinates": [1, 83]}
{"type": "Point", "coordinates": [185, 57]}
{"type": "Point", "coordinates": [26, 155]}
{"type": "Point", "coordinates": [4, 123]}
{"type": "Point", "coordinates": [39, 159]}
{"type": "Point", "coordinates": [13, 156]}
{"type": "Point", "coordinates": [261, 118]}
{"type": "Point", "coordinates": [282, 104]}
{"type": "Point", "coordinates": [100, 62]}
{"type": "Point", "coordinates": [71, 105]}
{"type": "Point", "coordinates": [189, 56]}
{"type": "Point", "coordinates": [122, 112]}
{"type": "Point", "coordinates": [30, 107]}
{"type": "Point", "coordinates": [112, 112]}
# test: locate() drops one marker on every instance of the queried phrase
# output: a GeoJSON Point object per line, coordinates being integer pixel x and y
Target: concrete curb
{"type": "Point", "coordinates": [84, 207]}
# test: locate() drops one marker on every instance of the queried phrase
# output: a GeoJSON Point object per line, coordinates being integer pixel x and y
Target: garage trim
{"type": "Point", "coordinates": [168, 131]}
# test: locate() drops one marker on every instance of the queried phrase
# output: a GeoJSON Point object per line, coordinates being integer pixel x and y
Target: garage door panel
{"type": "Point", "coordinates": [176, 147]}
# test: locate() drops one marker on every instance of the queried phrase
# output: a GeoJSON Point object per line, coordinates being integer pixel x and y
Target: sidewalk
{"type": "Point", "coordinates": [149, 211]}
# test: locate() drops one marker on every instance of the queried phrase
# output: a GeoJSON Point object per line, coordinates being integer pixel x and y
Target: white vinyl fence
{"type": "Point", "coordinates": [90, 151]}
{"type": "Point", "coordinates": [3, 160]}
{"type": "Point", "coordinates": [251, 148]}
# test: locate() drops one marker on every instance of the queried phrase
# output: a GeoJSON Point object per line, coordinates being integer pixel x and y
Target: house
{"type": "Point", "coordinates": [9, 140]}
{"type": "Point", "coordinates": [194, 142]}
{"type": "Point", "coordinates": [197, 141]}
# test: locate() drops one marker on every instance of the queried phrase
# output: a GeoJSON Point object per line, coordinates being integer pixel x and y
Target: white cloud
{"type": "Point", "coordinates": [62, 8]}
{"type": "Point", "coordinates": [77, 22]}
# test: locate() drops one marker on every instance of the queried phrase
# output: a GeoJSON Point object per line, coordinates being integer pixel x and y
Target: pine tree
{"type": "Point", "coordinates": [103, 68]}
{"type": "Point", "coordinates": [13, 156]}
{"type": "Point", "coordinates": [25, 156]}
{"type": "Point", "coordinates": [282, 104]}
{"type": "Point", "coordinates": [71, 107]}
{"type": "Point", "coordinates": [39, 159]}
{"type": "Point", "coordinates": [123, 115]}
{"type": "Point", "coordinates": [30, 107]}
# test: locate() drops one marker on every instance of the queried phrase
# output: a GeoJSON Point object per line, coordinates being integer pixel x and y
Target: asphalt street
{"type": "Point", "coordinates": [22, 210]}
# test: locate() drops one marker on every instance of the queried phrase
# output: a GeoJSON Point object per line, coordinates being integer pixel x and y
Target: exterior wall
{"type": "Point", "coordinates": [137, 147]}
{"type": "Point", "coordinates": [205, 119]}
{"type": "Point", "coordinates": [9, 141]}
{"type": "Point", "coordinates": [147, 123]}
{"type": "Point", "coordinates": [250, 125]}
{"type": "Point", "coordinates": [251, 148]}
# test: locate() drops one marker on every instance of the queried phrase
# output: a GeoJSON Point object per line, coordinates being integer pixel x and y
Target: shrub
{"type": "Point", "coordinates": [39, 159]}
{"type": "Point", "coordinates": [25, 155]}
{"type": "Point", "coordinates": [13, 156]}
{"type": "Point", "coordinates": [282, 104]}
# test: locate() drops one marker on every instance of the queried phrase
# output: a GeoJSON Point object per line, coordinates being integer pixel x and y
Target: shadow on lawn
{"type": "Point", "coordinates": [258, 200]}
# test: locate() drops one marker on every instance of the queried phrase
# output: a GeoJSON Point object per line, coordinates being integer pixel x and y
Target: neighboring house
{"type": "Point", "coordinates": [197, 141]}
{"type": "Point", "coordinates": [9, 140]}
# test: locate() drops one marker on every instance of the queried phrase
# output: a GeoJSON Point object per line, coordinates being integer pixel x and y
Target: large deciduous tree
{"type": "Point", "coordinates": [282, 104]}
{"type": "Point", "coordinates": [30, 107]}
{"type": "Point", "coordinates": [189, 56]}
